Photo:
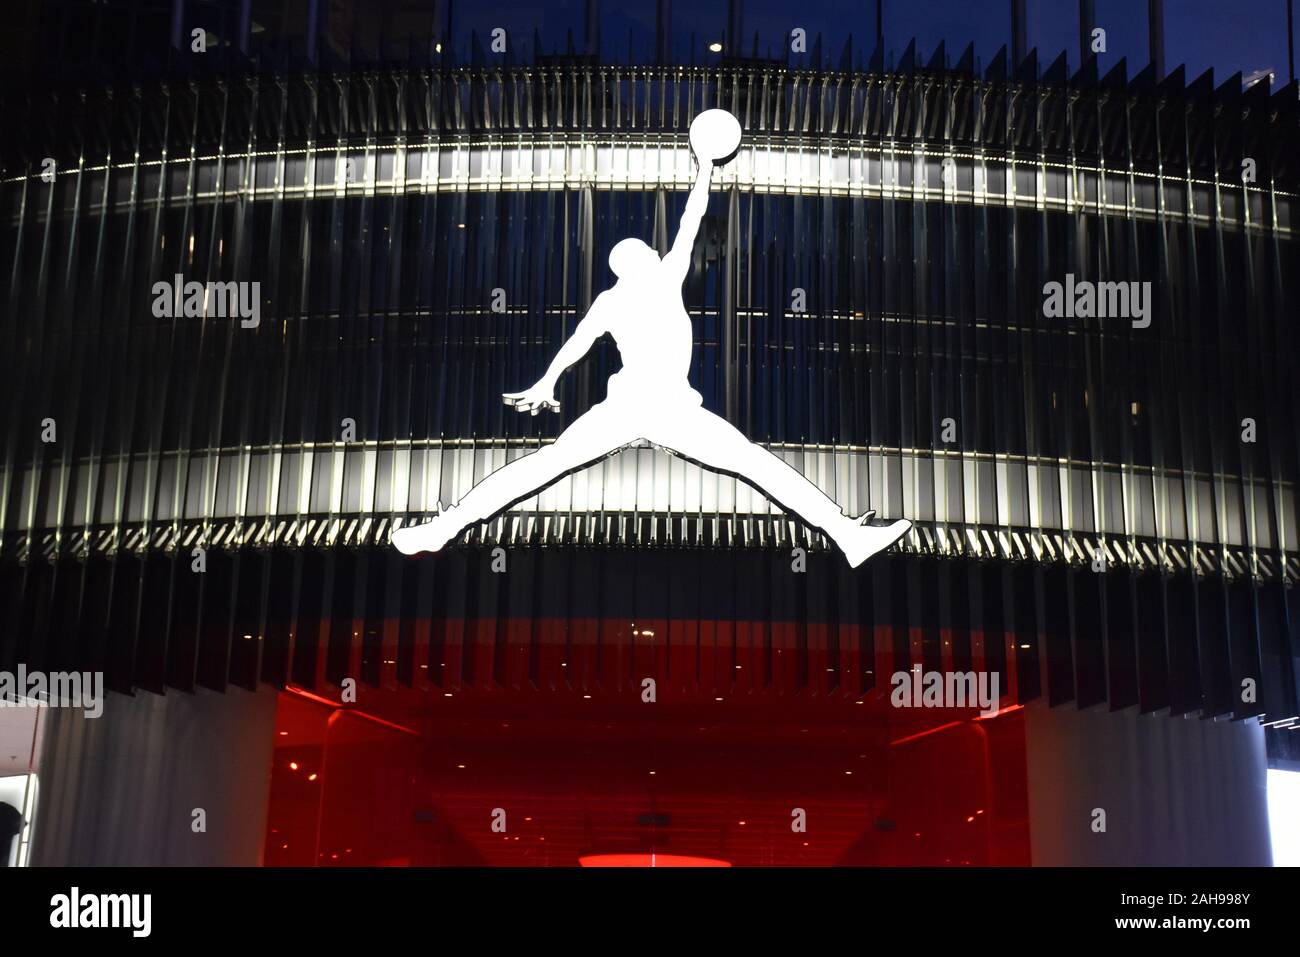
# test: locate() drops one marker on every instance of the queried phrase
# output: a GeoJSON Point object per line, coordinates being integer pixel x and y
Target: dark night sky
{"type": "Point", "coordinates": [1244, 35]}
{"type": "Point", "coordinates": [1228, 35]}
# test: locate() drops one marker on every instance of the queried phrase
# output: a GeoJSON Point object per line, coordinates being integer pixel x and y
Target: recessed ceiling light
{"type": "Point", "coordinates": [715, 47]}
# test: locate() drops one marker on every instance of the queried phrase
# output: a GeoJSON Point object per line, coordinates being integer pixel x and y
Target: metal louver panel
{"type": "Point", "coordinates": [380, 211]}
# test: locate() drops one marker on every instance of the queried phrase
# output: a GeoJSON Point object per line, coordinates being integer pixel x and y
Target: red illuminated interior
{"type": "Point", "coordinates": [710, 774]}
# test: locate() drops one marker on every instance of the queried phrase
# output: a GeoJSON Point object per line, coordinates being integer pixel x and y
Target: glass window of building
{"type": "Point", "coordinates": [1125, 38]}
{"type": "Point", "coordinates": [1294, 24]}
{"type": "Point", "coordinates": [629, 31]}
{"type": "Point", "coordinates": [770, 29]}
{"type": "Point", "coordinates": [956, 24]}
{"type": "Point", "coordinates": [699, 31]}
{"type": "Point", "coordinates": [1205, 34]}
{"type": "Point", "coordinates": [531, 29]}
{"type": "Point", "coordinates": [1052, 28]}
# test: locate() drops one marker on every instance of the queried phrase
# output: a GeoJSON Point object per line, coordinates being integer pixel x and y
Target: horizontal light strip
{"type": "Point", "coordinates": [399, 479]}
{"type": "Point", "coordinates": [863, 172]}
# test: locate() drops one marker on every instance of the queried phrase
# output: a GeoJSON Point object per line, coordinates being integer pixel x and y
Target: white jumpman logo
{"type": "Point", "coordinates": [650, 399]}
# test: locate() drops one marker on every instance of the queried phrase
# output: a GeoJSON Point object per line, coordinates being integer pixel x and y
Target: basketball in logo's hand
{"type": "Point", "coordinates": [715, 136]}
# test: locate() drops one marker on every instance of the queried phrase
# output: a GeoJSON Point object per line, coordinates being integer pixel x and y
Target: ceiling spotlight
{"type": "Point", "coordinates": [715, 47]}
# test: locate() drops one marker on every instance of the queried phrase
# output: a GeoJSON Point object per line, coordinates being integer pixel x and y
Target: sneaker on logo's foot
{"type": "Point", "coordinates": [427, 537]}
{"type": "Point", "coordinates": [867, 540]}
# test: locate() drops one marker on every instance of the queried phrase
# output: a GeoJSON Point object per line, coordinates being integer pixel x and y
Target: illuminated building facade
{"type": "Point", "coordinates": [1104, 508]}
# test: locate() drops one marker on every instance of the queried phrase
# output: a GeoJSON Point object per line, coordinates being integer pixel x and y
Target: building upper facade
{"type": "Point", "coordinates": [417, 199]}
{"type": "Point", "coordinates": [265, 299]}
{"type": "Point", "coordinates": [88, 38]}
{"type": "Point", "coordinates": [872, 294]}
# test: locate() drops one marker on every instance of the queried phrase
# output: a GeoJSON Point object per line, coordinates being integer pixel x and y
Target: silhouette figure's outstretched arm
{"type": "Point", "coordinates": [542, 395]}
{"type": "Point", "coordinates": [678, 259]}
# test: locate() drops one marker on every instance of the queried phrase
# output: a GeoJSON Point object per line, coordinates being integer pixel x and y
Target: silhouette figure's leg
{"type": "Point", "coordinates": [714, 442]}
{"type": "Point", "coordinates": [588, 439]}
